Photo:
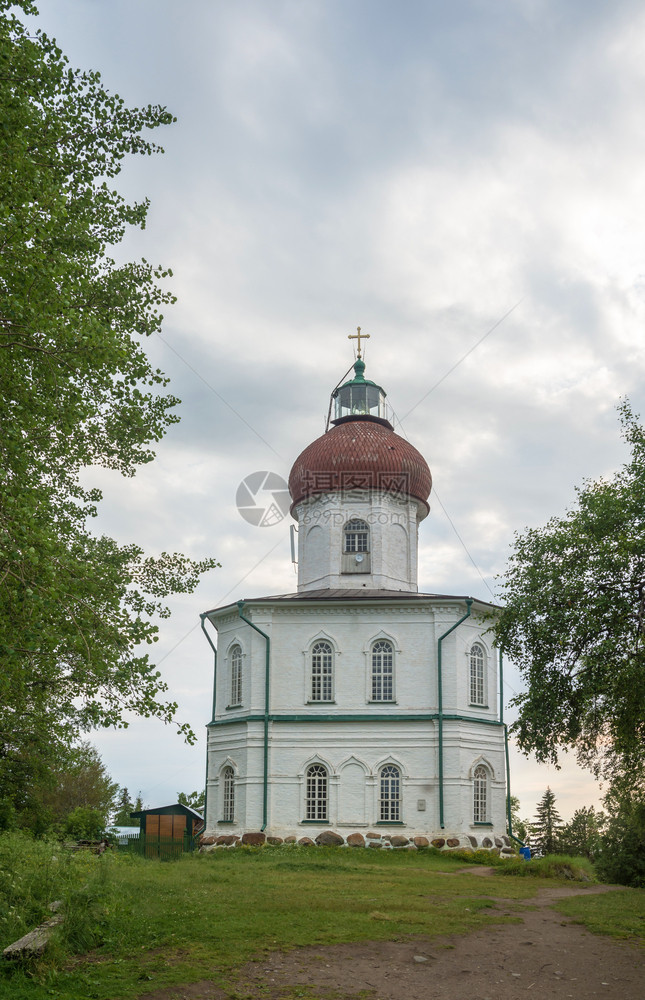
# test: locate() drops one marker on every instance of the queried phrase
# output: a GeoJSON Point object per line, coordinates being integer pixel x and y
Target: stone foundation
{"type": "Point", "coordinates": [382, 841]}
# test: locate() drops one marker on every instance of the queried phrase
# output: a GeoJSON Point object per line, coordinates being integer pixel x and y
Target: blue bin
{"type": "Point", "coordinates": [525, 852]}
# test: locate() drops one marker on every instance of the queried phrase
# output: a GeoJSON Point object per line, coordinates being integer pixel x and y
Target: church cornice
{"type": "Point", "coordinates": [365, 717]}
{"type": "Point", "coordinates": [376, 602]}
{"type": "Point", "coordinates": [325, 611]}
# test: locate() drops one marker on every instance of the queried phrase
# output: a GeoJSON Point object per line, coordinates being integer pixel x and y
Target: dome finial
{"type": "Point", "coordinates": [357, 336]}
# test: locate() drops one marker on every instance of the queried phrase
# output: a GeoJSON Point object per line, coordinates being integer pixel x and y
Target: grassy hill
{"type": "Point", "coordinates": [132, 922]}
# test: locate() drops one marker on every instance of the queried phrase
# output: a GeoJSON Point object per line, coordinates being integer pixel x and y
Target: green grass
{"type": "Point", "coordinates": [620, 914]}
{"type": "Point", "coordinates": [156, 924]}
{"type": "Point", "coordinates": [558, 866]}
{"type": "Point", "coordinates": [34, 873]}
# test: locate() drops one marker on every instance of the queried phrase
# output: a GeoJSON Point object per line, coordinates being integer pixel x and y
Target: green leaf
{"type": "Point", "coordinates": [76, 389]}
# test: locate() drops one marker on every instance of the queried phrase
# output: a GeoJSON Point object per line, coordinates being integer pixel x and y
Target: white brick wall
{"type": "Point", "coordinates": [354, 747]}
{"type": "Point", "coordinates": [393, 523]}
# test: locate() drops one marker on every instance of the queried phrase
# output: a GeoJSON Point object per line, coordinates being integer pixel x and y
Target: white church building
{"type": "Point", "coordinates": [357, 708]}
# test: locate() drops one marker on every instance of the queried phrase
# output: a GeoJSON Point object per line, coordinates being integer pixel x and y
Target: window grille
{"type": "Point", "coordinates": [357, 535]}
{"type": "Point", "coordinates": [322, 666]}
{"type": "Point", "coordinates": [479, 794]}
{"type": "Point", "coordinates": [382, 671]}
{"type": "Point", "coordinates": [236, 675]}
{"type": "Point", "coordinates": [316, 793]}
{"type": "Point", "coordinates": [228, 797]}
{"type": "Point", "coordinates": [390, 801]}
{"type": "Point", "coordinates": [477, 695]}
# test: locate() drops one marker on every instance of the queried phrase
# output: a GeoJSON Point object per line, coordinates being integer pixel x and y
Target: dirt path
{"type": "Point", "coordinates": [545, 956]}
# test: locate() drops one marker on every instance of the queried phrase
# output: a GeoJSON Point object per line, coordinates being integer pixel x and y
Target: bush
{"type": "Point", "coordinates": [622, 859]}
{"type": "Point", "coordinates": [622, 847]}
{"type": "Point", "coordinates": [7, 814]}
{"type": "Point", "coordinates": [83, 823]}
{"type": "Point", "coordinates": [560, 866]}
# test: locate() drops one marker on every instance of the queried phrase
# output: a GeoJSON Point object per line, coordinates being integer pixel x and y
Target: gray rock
{"type": "Point", "coordinates": [329, 839]}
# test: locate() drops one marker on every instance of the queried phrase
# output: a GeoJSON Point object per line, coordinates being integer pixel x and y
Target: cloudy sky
{"type": "Point", "coordinates": [462, 179]}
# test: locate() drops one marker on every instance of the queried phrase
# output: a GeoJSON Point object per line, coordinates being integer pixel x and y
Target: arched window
{"type": "Point", "coordinates": [322, 672]}
{"type": "Point", "coordinates": [316, 807]}
{"type": "Point", "coordinates": [480, 789]}
{"type": "Point", "coordinates": [390, 794]}
{"type": "Point", "coordinates": [236, 675]}
{"type": "Point", "coordinates": [477, 686]}
{"type": "Point", "coordinates": [228, 795]}
{"type": "Point", "coordinates": [382, 671]}
{"type": "Point", "coordinates": [357, 536]}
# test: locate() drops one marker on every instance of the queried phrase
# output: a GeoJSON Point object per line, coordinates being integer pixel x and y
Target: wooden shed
{"type": "Point", "coordinates": [165, 824]}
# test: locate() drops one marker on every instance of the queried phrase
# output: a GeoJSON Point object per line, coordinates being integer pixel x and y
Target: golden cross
{"type": "Point", "coordinates": [357, 336]}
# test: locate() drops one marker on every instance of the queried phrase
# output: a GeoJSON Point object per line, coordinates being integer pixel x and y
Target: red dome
{"type": "Point", "coordinates": [360, 455]}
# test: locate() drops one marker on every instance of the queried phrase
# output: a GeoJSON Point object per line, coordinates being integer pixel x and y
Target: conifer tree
{"type": "Point", "coordinates": [124, 808]}
{"type": "Point", "coordinates": [545, 833]}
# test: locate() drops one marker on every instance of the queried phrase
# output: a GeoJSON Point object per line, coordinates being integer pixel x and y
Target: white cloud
{"type": "Point", "coordinates": [337, 165]}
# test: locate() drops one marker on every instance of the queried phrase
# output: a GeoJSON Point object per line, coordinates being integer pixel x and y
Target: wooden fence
{"type": "Point", "coordinates": [151, 845]}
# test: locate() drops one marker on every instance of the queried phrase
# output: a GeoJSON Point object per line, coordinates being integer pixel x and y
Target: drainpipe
{"type": "Point", "coordinates": [469, 602]}
{"type": "Point", "coordinates": [214, 648]}
{"type": "Point", "coordinates": [265, 790]}
{"type": "Point", "coordinates": [501, 686]}
{"type": "Point", "coordinates": [509, 820]}
{"type": "Point", "coordinates": [508, 792]}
